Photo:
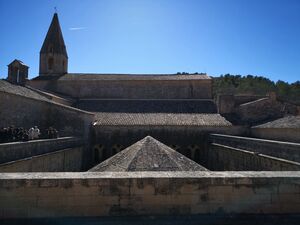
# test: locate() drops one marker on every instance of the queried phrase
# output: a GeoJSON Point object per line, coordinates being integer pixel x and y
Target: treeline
{"type": "Point", "coordinates": [257, 85]}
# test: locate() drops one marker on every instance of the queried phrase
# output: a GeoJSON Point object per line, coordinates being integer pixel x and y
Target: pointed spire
{"type": "Point", "coordinates": [54, 41]}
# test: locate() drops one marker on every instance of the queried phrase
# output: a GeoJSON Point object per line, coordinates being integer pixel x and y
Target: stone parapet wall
{"type": "Point", "coordinates": [285, 150]}
{"type": "Point", "coordinates": [282, 134]}
{"type": "Point", "coordinates": [19, 150]}
{"type": "Point", "coordinates": [224, 158]}
{"type": "Point", "coordinates": [66, 160]}
{"type": "Point", "coordinates": [43, 195]}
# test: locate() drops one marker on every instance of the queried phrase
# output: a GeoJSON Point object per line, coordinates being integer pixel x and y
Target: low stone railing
{"type": "Point", "coordinates": [19, 150]}
{"type": "Point", "coordinates": [285, 150]}
{"type": "Point", "coordinates": [45, 195]}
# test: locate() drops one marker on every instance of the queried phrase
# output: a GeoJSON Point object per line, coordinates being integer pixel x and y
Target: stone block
{"type": "Point", "coordinates": [50, 201]}
{"type": "Point", "coordinates": [19, 201]}
{"type": "Point", "coordinates": [290, 208]}
{"type": "Point", "coordinates": [217, 189]}
{"type": "Point", "coordinates": [48, 183]}
{"type": "Point", "coordinates": [142, 190]}
{"type": "Point", "coordinates": [292, 187]}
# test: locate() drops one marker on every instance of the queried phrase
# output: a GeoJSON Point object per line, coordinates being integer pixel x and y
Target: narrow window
{"type": "Point", "coordinates": [50, 63]}
{"type": "Point", "coordinates": [51, 50]}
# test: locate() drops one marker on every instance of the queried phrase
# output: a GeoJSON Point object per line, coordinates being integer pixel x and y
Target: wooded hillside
{"type": "Point", "coordinates": [237, 84]}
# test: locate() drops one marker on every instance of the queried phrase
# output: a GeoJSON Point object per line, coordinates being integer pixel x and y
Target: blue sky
{"type": "Point", "coordinates": [258, 37]}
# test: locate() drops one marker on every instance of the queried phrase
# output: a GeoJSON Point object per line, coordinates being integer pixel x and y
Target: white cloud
{"type": "Point", "coordinates": [77, 28]}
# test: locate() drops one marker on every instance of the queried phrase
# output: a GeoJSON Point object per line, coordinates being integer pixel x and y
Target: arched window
{"type": "Point", "coordinates": [50, 63]}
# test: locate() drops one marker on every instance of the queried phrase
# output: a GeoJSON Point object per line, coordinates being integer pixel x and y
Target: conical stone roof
{"type": "Point", "coordinates": [148, 154]}
{"type": "Point", "coordinates": [54, 41]}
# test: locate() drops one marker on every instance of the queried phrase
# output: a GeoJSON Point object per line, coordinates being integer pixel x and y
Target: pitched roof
{"type": "Point", "coordinates": [160, 119]}
{"type": "Point", "coordinates": [47, 77]}
{"type": "Point", "coordinates": [94, 76]}
{"type": "Point", "coordinates": [285, 122]}
{"type": "Point", "coordinates": [54, 38]}
{"type": "Point", "coordinates": [148, 154]}
{"type": "Point", "coordinates": [18, 61]}
{"type": "Point", "coordinates": [20, 90]}
{"type": "Point", "coordinates": [148, 105]}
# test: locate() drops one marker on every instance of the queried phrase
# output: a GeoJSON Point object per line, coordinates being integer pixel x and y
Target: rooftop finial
{"type": "Point", "coordinates": [55, 9]}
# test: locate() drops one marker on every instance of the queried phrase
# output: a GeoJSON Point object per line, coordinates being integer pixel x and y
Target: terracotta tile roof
{"type": "Point", "coordinates": [148, 154]}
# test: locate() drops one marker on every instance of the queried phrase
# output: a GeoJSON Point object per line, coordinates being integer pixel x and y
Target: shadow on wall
{"type": "Point", "coordinates": [26, 112]}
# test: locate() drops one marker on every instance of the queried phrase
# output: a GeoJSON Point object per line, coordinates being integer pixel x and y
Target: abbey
{"type": "Point", "coordinates": [54, 76]}
{"type": "Point", "coordinates": [142, 144]}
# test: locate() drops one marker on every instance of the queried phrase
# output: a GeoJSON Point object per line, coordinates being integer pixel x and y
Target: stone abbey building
{"type": "Point", "coordinates": [142, 145]}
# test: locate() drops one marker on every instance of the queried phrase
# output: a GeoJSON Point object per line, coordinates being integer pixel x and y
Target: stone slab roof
{"type": "Point", "coordinates": [20, 90]}
{"type": "Point", "coordinates": [148, 154]}
{"type": "Point", "coordinates": [159, 119]}
{"type": "Point", "coordinates": [148, 106]}
{"type": "Point", "coordinates": [285, 122]}
{"type": "Point", "coordinates": [18, 61]}
{"type": "Point", "coordinates": [54, 38]}
{"type": "Point", "coordinates": [117, 77]}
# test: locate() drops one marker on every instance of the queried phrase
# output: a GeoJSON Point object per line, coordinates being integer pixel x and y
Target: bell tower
{"type": "Point", "coordinates": [53, 54]}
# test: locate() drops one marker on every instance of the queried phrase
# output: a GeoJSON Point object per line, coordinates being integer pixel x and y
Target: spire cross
{"type": "Point", "coordinates": [55, 9]}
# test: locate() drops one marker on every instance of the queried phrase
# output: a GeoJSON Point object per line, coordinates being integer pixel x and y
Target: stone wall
{"type": "Point", "coordinates": [281, 134]}
{"type": "Point", "coordinates": [59, 65]}
{"type": "Point", "coordinates": [26, 112]}
{"type": "Point", "coordinates": [190, 141]}
{"type": "Point", "coordinates": [260, 110]}
{"type": "Point", "coordinates": [133, 89]}
{"type": "Point", "coordinates": [41, 84]}
{"type": "Point", "coordinates": [43, 195]}
{"type": "Point", "coordinates": [285, 150]}
{"type": "Point", "coordinates": [66, 160]}
{"type": "Point", "coordinates": [228, 103]}
{"type": "Point", "coordinates": [19, 150]}
{"type": "Point", "coordinates": [225, 158]}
